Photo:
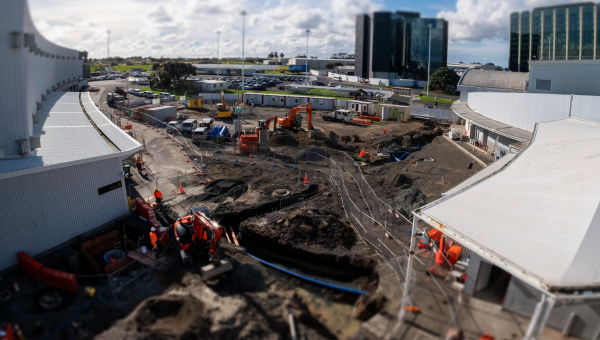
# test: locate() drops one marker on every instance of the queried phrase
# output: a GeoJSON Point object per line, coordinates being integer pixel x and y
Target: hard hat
{"type": "Point", "coordinates": [152, 229]}
{"type": "Point", "coordinates": [155, 189]}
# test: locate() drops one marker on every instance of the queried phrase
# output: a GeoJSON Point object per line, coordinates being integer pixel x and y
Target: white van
{"type": "Point", "coordinates": [173, 126]}
{"type": "Point", "coordinates": [189, 125]}
{"type": "Point", "coordinates": [201, 133]}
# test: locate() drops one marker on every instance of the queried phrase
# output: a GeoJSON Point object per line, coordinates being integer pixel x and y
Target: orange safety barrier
{"type": "Point", "coordinates": [486, 337]}
{"type": "Point", "coordinates": [439, 258]}
{"type": "Point", "coordinates": [454, 254]}
{"type": "Point", "coordinates": [30, 266]}
{"type": "Point", "coordinates": [59, 279]}
{"type": "Point", "coordinates": [371, 118]}
{"type": "Point", "coordinates": [141, 208]}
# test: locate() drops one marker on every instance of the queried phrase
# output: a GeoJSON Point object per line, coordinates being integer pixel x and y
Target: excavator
{"type": "Point", "coordinates": [198, 233]}
{"type": "Point", "coordinates": [294, 120]}
{"type": "Point", "coordinates": [264, 124]}
{"type": "Point", "coordinates": [223, 111]}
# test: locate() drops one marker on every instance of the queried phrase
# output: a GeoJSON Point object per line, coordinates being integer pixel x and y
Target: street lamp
{"type": "Point", "coordinates": [108, 47]}
{"type": "Point", "coordinates": [218, 42]}
{"type": "Point", "coordinates": [244, 13]}
{"type": "Point", "coordinates": [549, 42]}
{"type": "Point", "coordinates": [307, 32]}
{"type": "Point", "coordinates": [429, 59]}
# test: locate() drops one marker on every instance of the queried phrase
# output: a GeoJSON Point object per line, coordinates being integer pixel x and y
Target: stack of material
{"type": "Point", "coordinates": [248, 143]}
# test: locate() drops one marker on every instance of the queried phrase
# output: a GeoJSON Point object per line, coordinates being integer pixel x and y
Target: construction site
{"type": "Point", "coordinates": [285, 254]}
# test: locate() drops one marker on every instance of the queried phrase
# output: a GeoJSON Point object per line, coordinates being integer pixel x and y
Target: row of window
{"type": "Point", "coordinates": [542, 33]}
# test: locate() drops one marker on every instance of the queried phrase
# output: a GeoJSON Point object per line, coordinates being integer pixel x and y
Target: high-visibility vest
{"type": "Point", "coordinates": [158, 194]}
{"type": "Point", "coordinates": [153, 238]}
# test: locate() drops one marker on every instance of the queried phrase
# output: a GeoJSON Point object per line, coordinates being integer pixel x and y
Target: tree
{"type": "Point", "coordinates": [281, 55]}
{"type": "Point", "coordinates": [271, 55]}
{"type": "Point", "coordinates": [443, 77]}
{"type": "Point", "coordinates": [171, 74]}
{"type": "Point", "coordinates": [275, 54]}
{"type": "Point", "coordinates": [155, 66]}
{"type": "Point", "coordinates": [330, 66]}
{"type": "Point", "coordinates": [301, 56]}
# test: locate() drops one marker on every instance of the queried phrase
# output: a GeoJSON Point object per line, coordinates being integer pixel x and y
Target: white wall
{"type": "Point", "coordinates": [378, 81]}
{"type": "Point", "coordinates": [33, 207]}
{"type": "Point", "coordinates": [578, 77]}
{"type": "Point", "coordinates": [586, 107]}
{"type": "Point", "coordinates": [522, 110]}
{"type": "Point", "coordinates": [27, 72]}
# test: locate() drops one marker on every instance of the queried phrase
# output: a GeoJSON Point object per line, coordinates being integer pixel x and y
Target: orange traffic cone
{"type": "Point", "coordinates": [180, 188]}
{"type": "Point", "coordinates": [305, 179]}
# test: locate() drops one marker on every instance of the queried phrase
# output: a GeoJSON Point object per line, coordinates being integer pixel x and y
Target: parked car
{"type": "Point", "coordinates": [201, 133]}
{"type": "Point", "coordinates": [189, 125]}
{"type": "Point", "coordinates": [182, 118]}
{"type": "Point", "coordinates": [173, 126]}
{"type": "Point", "coordinates": [150, 95]}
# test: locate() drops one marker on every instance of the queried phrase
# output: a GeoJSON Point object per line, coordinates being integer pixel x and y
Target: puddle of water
{"type": "Point", "coordinates": [336, 316]}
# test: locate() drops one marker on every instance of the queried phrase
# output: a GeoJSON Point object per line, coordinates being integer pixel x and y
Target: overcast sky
{"type": "Point", "coordinates": [187, 28]}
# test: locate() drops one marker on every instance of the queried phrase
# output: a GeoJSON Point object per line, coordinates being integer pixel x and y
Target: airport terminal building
{"type": "Point", "coordinates": [61, 171]}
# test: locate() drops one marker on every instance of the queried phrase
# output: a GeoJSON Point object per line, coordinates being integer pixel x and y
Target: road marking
{"type": "Point", "coordinates": [161, 148]}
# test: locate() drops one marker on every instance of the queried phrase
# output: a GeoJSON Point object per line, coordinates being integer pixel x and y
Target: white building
{"type": "Point", "coordinates": [232, 69]}
{"type": "Point", "coordinates": [319, 63]}
{"type": "Point", "coordinates": [59, 177]}
{"type": "Point", "coordinates": [210, 85]}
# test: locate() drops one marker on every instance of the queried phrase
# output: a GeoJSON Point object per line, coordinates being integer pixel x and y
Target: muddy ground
{"type": "Point", "coordinates": [305, 232]}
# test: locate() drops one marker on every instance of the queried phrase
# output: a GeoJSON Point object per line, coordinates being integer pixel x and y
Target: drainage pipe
{"type": "Point", "coordinates": [306, 278]}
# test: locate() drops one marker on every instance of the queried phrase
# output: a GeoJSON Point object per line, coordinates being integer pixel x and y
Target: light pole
{"type": "Point", "coordinates": [108, 47]}
{"type": "Point", "coordinates": [429, 60]}
{"type": "Point", "coordinates": [307, 32]}
{"type": "Point", "coordinates": [218, 42]}
{"type": "Point", "coordinates": [244, 13]}
{"type": "Point", "coordinates": [549, 42]}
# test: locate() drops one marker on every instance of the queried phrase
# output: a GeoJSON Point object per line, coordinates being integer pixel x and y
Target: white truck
{"type": "Point", "coordinates": [345, 116]}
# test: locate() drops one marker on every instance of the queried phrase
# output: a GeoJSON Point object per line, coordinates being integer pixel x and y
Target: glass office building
{"type": "Point", "coordinates": [567, 32]}
{"type": "Point", "coordinates": [396, 45]}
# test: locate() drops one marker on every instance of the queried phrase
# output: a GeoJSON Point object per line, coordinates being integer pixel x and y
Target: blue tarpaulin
{"type": "Point", "coordinates": [219, 132]}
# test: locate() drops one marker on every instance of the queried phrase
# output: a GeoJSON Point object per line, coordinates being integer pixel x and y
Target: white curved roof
{"type": "Point", "coordinates": [538, 217]}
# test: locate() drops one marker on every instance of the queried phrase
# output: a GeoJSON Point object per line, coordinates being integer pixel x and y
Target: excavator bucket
{"type": "Point", "coordinates": [210, 271]}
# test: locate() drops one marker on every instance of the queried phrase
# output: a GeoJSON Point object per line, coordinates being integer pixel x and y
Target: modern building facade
{"type": "Point", "coordinates": [396, 45]}
{"type": "Point", "coordinates": [61, 169]}
{"type": "Point", "coordinates": [566, 32]}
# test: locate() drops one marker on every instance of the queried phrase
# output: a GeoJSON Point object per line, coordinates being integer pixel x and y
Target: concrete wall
{"type": "Point", "coordinates": [579, 77]}
{"type": "Point", "coordinates": [522, 110]}
{"type": "Point", "coordinates": [521, 299]}
{"type": "Point", "coordinates": [45, 209]}
{"type": "Point", "coordinates": [503, 142]}
{"type": "Point", "coordinates": [465, 90]}
{"type": "Point", "coordinates": [31, 66]}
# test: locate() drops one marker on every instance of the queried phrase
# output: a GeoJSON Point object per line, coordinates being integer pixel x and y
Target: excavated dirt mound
{"type": "Point", "coordinates": [312, 227]}
{"type": "Point", "coordinates": [194, 311]}
{"type": "Point", "coordinates": [313, 154]}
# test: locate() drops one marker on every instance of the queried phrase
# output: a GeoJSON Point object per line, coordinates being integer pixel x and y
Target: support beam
{"type": "Point", "coordinates": [549, 306]}
{"type": "Point", "coordinates": [534, 318]}
{"type": "Point", "coordinates": [409, 265]}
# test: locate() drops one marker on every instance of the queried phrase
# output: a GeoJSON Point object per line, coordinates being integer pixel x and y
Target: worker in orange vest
{"type": "Point", "coordinates": [158, 196]}
{"type": "Point", "coordinates": [138, 163]}
{"type": "Point", "coordinates": [153, 237]}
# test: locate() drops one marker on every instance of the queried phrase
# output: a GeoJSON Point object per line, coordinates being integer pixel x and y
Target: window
{"type": "Point", "coordinates": [273, 99]}
{"type": "Point", "coordinates": [214, 86]}
{"type": "Point", "coordinates": [543, 85]}
{"type": "Point", "coordinates": [296, 101]}
{"type": "Point", "coordinates": [281, 100]}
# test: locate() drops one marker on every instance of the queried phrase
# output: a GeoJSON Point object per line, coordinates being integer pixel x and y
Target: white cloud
{"type": "Point", "coordinates": [188, 28]}
{"type": "Point", "coordinates": [476, 20]}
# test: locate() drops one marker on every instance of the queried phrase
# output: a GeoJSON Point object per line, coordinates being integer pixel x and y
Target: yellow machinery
{"type": "Point", "coordinates": [223, 111]}
{"type": "Point", "coordinates": [196, 102]}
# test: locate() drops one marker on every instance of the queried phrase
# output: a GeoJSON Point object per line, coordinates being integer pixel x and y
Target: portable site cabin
{"type": "Point", "coordinates": [196, 102]}
{"type": "Point", "coordinates": [292, 101]}
{"type": "Point", "coordinates": [393, 112]}
{"type": "Point", "coordinates": [274, 100]}
{"type": "Point", "coordinates": [161, 113]}
{"type": "Point", "coordinates": [256, 98]}
{"type": "Point", "coordinates": [360, 106]}
{"type": "Point", "coordinates": [321, 103]}
{"type": "Point", "coordinates": [210, 85]}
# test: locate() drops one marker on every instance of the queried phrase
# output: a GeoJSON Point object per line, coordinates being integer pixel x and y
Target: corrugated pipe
{"type": "Point", "coordinates": [306, 278]}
